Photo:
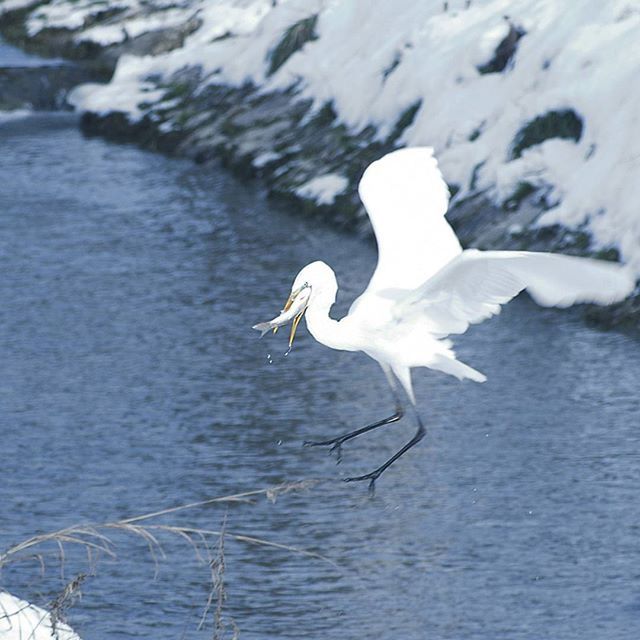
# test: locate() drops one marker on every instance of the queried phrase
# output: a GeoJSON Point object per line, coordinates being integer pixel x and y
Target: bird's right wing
{"type": "Point", "coordinates": [406, 199]}
{"type": "Point", "coordinates": [473, 285]}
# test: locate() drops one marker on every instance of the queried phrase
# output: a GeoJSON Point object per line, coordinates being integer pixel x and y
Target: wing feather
{"type": "Point", "coordinates": [406, 199]}
{"type": "Point", "coordinates": [474, 285]}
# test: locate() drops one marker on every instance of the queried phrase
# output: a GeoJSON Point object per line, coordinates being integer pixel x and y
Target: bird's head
{"type": "Point", "coordinates": [314, 283]}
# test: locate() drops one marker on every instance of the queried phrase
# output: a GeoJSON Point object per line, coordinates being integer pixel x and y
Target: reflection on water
{"type": "Point", "coordinates": [131, 381]}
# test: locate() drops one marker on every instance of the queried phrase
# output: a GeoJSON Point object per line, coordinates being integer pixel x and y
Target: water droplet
{"type": "Point", "coordinates": [269, 358]}
{"type": "Point", "coordinates": [279, 442]}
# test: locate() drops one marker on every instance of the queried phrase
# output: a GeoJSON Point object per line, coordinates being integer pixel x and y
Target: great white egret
{"type": "Point", "coordinates": [425, 287]}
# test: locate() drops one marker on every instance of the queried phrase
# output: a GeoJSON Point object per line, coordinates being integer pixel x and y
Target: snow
{"type": "Point", "coordinates": [125, 93]}
{"type": "Point", "coordinates": [373, 65]}
{"type": "Point", "coordinates": [13, 5]}
{"type": "Point", "coordinates": [20, 620]}
{"type": "Point", "coordinates": [265, 158]}
{"type": "Point", "coordinates": [132, 27]}
{"type": "Point", "coordinates": [323, 189]}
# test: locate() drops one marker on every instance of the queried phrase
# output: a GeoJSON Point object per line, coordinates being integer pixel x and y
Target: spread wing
{"type": "Point", "coordinates": [406, 199]}
{"type": "Point", "coordinates": [472, 287]}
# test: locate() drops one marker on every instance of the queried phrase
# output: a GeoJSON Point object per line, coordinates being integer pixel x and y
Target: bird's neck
{"type": "Point", "coordinates": [325, 329]}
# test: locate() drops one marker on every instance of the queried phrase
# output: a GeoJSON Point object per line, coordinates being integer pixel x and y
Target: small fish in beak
{"type": "Point", "coordinates": [294, 309]}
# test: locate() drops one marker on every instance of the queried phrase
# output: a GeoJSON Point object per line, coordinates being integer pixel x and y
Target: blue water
{"type": "Point", "coordinates": [11, 56]}
{"type": "Point", "coordinates": [130, 381]}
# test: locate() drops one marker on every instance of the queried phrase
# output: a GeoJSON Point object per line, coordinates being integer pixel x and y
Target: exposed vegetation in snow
{"type": "Point", "coordinates": [21, 620]}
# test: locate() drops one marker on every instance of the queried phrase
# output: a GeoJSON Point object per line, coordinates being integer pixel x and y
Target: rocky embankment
{"type": "Point", "coordinates": [304, 155]}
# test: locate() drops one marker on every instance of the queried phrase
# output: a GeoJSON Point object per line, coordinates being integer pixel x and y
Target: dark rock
{"type": "Point", "coordinates": [566, 124]}
{"type": "Point", "coordinates": [150, 43]}
{"type": "Point", "coordinates": [504, 52]}
{"type": "Point", "coordinates": [116, 126]}
{"type": "Point", "coordinates": [294, 38]}
{"type": "Point", "coordinates": [405, 120]}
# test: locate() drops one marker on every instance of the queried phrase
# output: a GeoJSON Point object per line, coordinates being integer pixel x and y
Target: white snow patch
{"type": "Point", "coordinates": [13, 5]}
{"type": "Point", "coordinates": [265, 158]}
{"type": "Point", "coordinates": [125, 93]}
{"type": "Point", "coordinates": [323, 189]}
{"type": "Point", "coordinates": [20, 620]}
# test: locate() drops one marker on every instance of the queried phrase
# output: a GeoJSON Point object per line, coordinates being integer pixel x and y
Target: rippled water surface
{"type": "Point", "coordinates": [131, 381]}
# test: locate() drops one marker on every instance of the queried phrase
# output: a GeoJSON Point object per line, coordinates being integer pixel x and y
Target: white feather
{"type": "Point", "coordinates": [406, 199]}
{"type": "Point", "coordinates": [473, 285]}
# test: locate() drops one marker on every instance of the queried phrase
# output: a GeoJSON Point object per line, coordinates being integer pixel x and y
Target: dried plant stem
{"type": "Point", "coordinates": [94, 540]}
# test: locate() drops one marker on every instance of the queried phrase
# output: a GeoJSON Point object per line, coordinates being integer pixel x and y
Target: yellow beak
{"type": "Point", "coordinates": [296, 319]}
{"type": "Point", "coordinates": [287, 304]}
{"type": "Point", "coordinates": [294, 326]}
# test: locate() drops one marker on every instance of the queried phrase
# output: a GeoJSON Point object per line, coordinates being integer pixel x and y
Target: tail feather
{"type": "Point", "coordinates": [456, 368]}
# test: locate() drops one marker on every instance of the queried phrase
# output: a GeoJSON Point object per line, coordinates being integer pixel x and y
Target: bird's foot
{"type": "Point", "coordinates": [335, 444]}
{"type": "Point", "coordinates": [371, 477]}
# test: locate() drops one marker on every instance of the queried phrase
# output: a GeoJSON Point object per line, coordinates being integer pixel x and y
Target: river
{"type": "Point", "coordinates": [132, 381]}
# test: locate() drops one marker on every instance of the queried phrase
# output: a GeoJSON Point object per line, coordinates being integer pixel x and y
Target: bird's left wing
{"type": "Point", "coordinates": [473, 285]}
{"type": "Point", "coordinates": [406, 199]}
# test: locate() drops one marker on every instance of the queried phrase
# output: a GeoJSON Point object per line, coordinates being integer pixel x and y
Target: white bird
{"type": "Point", "coordinates": [425, 287]}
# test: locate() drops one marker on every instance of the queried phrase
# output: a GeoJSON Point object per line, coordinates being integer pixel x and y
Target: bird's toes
{"type": "Point", "coordinates": [358, 478]}
{"type": "Point", "coordinates": [372, 487]}
{"type": "Point", "coordinates": [371, 477]}
{"type": "Point", "coordinates": [316, 443]}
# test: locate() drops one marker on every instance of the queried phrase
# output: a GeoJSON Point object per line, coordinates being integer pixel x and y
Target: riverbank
{"type": "Point", "coordinates": [241, 85]}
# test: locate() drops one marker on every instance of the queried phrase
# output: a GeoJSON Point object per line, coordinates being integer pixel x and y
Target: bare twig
{"type": "Point", "coordinates": [217, 573]}
{"type": "Point", "coordinates": [217, 568]}
{"type": "Point", "coordinates": [270, 492]}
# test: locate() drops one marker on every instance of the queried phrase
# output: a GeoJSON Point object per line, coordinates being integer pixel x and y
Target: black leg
{"type": "Point", "coordinates": [336, 443]}
{"type": "Point", "coordinates": [375, 474]}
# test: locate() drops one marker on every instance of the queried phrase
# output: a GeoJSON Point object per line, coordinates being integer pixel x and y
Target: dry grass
{"type": "Point", "coordinates": [64, 600]}
{"type": "Point", "coordinates": [94, 538]}
{"type": "Point", "coordinates": [217, 592]}
{"type": "Point", "coordinates": [208, 545]}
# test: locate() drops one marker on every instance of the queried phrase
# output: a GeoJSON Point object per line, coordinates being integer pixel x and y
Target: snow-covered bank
{"type": "Point", "coordinates": [20, 620]}
{"type": "Point", "coordinates": [530, 100]}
